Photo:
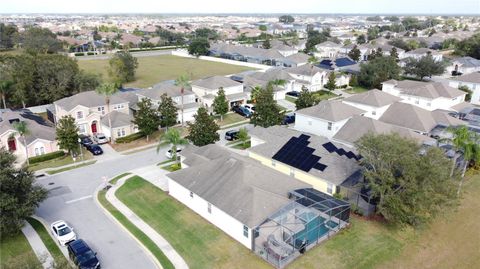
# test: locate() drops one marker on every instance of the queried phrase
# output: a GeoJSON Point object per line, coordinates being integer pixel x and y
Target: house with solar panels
{"type": "Point", "coordinates": [271, 213]}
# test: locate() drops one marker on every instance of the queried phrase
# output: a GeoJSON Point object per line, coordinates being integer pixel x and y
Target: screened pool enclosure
{"type": "Point", "coordinates": [309, 219]}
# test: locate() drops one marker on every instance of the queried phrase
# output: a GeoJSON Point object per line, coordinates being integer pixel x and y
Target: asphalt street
{"type": "Point", "coordinates": [71, 199]}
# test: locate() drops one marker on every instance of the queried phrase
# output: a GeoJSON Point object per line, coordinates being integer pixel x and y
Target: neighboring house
{"type": "Point", "coordinates": [89, 109]}
{"type": "Point", "coordinates": [367, 49]}
{"type": "Point", "coordinates": [422, 52]}
{"type": "Point", "coordinates": [325, 118]}
{"type": "Point", "coordinates": [270, 57]}
{"type": "Point", "coordinates": [320, 163]}
{"type": "Point", "coordinates": [327, 49]}
{"type": "Point", "coordinates": [279, 75]}
{"type": "Point", "coordinates": [464, 65]}
{"type": "Point", "coordinates": [298, 59]}
{"type": "Point", "coordinates": [374, 102]}
{"type": "Point", "coordinates": [427, 95]}
{"type": "Point", "coordinates": [207, 88]}
{"type": "Point", "coordinates": [40, 140]}
{"type": "Point", "coordinates": [274, 218]}
{"type": "Point", "coordinates": [190, 105]}
{"type": "Point", "coordinates": [309, 76]}
{"type": "Point", "coordinates": [472, 81]}
{"type": "Point", "coordinates": [337, 64]}
{"type": "Point", "coordinates": [283, 48]}
{"type": "Point", "coordinates": [358, 126]}
{"type": "Point", "coordinates": [417, 119]}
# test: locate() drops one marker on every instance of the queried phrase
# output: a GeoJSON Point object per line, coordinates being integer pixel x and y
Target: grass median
{"type": "Point", "coordinates": [141, 236]}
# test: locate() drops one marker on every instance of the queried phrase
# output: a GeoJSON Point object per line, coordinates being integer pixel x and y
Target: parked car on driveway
{"type": "Point", "coordinates": [100, 138]}
{"type": "Point", "coordinates": [169, 154]}
{"type": "Point", "coordinates": [242, 111]}
{"type": "Point", "coordinates": [62, 232]}
{"type": "Point", "coordinates": [231, 135]}
{"type": "Point", "coordinates": [288, 119]}
{"type": "Point", "coordinates": [95, 149]}
{"type": "Point", "coordinates": [293, 93]}
{"type": "Point", "coordinates": [250, 108]}
{"type": "Point", "coordinates": [82, 255]}
{"type": "Point", "coordinates": [85, 140]}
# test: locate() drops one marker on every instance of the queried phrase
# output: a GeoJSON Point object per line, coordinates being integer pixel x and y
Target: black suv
{"type": "Point", "coordinates": [231, 135]}
{"type": "Point", "coordinates": [82, 255]}
{"type": "Point", "coordinates": [85, 140]}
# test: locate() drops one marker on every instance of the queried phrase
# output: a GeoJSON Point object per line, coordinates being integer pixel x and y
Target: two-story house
{"type": "Point", "coordinates": [427, 95]}
{"type": "Point", "coordinates": [327, 49]}
{"type": "Point", "coordinates": [422, 52]}
{"type": "Point", "coordinates": [325, 118]}
{"type": "Point", "coordinates": [309, 76]}
{"type": "Point", "coordinates": [207, 88]}
{"type": "Point", "coordinates": [90, 113]}
{"type": "Point", "coordinates": [374, 102]}
{"type": "Point", "coordinates": [472, 81]}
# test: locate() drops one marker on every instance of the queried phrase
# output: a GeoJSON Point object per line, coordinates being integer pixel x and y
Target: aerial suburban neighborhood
{"type": "Point", "coordinates": [337, 134]}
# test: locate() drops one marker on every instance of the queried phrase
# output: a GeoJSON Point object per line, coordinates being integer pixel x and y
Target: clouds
{"type": "Point", "coordinates": [243, 6]}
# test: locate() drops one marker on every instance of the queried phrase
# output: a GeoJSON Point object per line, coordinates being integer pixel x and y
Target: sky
{"type": "Point", "coordinates": [243, 6]}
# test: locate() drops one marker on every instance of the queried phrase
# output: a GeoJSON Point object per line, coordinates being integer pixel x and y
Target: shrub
{"type": "Point", "coordinates": [79, 54]}
{"type": "Point", "coordinates": [129, 138]}
{"type": "Point", "coordinates": [90, 53]}
{"type": "Point", "coordinates": [46, 157]}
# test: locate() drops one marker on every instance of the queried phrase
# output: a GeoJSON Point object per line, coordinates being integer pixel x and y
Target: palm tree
{"type": "Point", "coordinates": [173, 137]}
{"type": "Point", "coordinates": [183, 82]}
{"type": "Point", "coordinates": [255, 92]}
{"type": "Point", "coordinates": [5, 87]}
{"type": "Point", "coordinates": [107, 90]}
{"type": "Point", "coordinates": [21, 129]}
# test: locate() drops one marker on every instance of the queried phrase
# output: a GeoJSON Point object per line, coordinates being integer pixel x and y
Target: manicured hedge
{"type": "Point", "coordinates": [80, 54]}
{"type": "Point", "coordinates": [90, 53]}
{"type": "Point", "coordinates": [46, 157]}
{"type": "Point", "coordinates": [129, 138]}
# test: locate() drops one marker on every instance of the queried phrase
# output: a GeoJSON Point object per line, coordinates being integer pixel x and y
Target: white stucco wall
{"type": "Point", "coordinates": [304, 123]}
{"type": "Point", "coordinates": [372, 112]}
{"type": "Point", "coordinates": [217, 217]}
{"type": "Point", "coordinates": [475, 87]}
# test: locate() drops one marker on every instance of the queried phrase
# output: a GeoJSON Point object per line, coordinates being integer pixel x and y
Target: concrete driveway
{"type": "Point", "coordinates": [71, 199]}
{"type": "Point", "coordinates": [287, 104]}
{"type": "Point", "coordinates": [221, 133]}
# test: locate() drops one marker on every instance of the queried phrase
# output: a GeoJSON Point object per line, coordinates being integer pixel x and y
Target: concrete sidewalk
{"type": "Point", "coordinates": [163, 244]}
{"type": "Point", "coordinates": [38, 246]}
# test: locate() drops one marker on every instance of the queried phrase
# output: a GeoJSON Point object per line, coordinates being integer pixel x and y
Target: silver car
{"type": "Point", "coordinates": [100, 138]}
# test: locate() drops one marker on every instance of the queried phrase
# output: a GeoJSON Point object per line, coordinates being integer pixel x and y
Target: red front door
{"type": "Point", "coordinates": [12, 145]}
{"type": "Point", "coordinates": [94, 127]}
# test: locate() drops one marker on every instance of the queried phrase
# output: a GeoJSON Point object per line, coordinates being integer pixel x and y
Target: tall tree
{"type": "Point", "coordinates": [255, 92]}
{"type": "Point", "coordinates": [243, 136]}
{"type": "Point", "coordinates": [331, 83]}
{"type": "Point", "coordinates": [267, 113]}
{"type": "Point", "coordinates": [394, 54]}
{"type": "Point", "coordinates": [305, 99]}
{"type": "Point", "coordinates": [107, 90]}
{"type": "Point", "coordinates": [183, 81]}
{"type": "Point", "coordinates": [199, 47]}
{"type": "Point", "coordinates": [146, 117]}
{"type": "Point", "coordinates": [410, 187]}
{"type": "Point", "coordinates": [286, 19]}
{"type": "Point", "coordinates": [361, 39]}
{"type": "Point", "coordinates": [6, 87]}
{"type": "Point", "coordinates": [168, 111]}
{"type": "Point", "coordinates": [203, 130]}
{"type": "Point", "coordinates": [122, 67]}
{"type": "Point", "coordinates": [67, 134]}
{"type": "Point", "coordinates": [355, 54]}
{"type": "Point", "coordinates": [36, 40]}
{"type": "Point", "coordinates": [313, 38]}
{"type": "Point", "coordinates": [424, 67]}
{"type": "Point", "coordinates": [468, 144]}
{"type": "Point", "coordinates": [19, 194]}
{"type": "Point", "coordinates": [21, 128]}
{"type": "Point", "coordinates": [8, 34]}
{"type": "Point", "coordinates": [220, 104]}
{"type": "Point", "coordinates": [175, 139]}
{"type": "Point", "coordinates": [376, 71]}
{"type": "Point", "coordinates": [266, 44]}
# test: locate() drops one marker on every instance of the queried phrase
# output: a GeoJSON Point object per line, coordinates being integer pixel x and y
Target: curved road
{"type": "Point", "coordinates": [71, 199]}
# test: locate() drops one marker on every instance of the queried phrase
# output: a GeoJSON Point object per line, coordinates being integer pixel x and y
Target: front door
{"type": "Point", "coordinates": [12, 146]}
{"type": "Point", "coordinates": [94, 127]}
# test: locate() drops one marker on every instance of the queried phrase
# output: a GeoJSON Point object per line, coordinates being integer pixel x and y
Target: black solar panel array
{"type": "Point", "coordinates": [330, 147]}
{"type": "Point", "coordinates": [296, 153]}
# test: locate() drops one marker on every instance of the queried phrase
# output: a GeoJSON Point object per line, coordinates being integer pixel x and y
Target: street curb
{"type": "Point", "coordinates": [45, 225]}
{"type": "Point", "coordinates": [146, 250]}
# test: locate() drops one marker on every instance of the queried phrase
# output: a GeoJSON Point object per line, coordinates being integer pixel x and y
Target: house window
{"type": "Point", "coordinates": [101, 109]}
{"type": "Point", "coordinates": [191, 194]}
{"type": "Point", "coordinates": [245, 231]}
{"type": "Point", "coordinates": [209, 208]}
{"type": "Point", "coordinates": [374, 113]}
{"type": "Point", "coordinates": [79, 114]}
{"type": "Point", "coordinates": [329, 126]}
{"type": "Point", "coordinates": [330, 188]}
{"type": "Point", "coordinates": [120, 132]}
{"type": "Point", "coordinates": [81, 128]}
{"type": "Point", "coordinates": [39, 151]}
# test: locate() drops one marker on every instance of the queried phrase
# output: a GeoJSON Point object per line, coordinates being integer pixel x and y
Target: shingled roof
{"type": "Point", "coordinates": [374, 98]}
{"type": "Point", "coordinates": [332, 110]}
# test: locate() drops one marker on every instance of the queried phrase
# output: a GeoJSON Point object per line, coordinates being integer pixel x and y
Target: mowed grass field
{"type": "Point", "coordinates": [152, 70]}
{"type": "Point", "coordinates": [15, 252]}
{"type": "Point", "coordinates": [452, 240]}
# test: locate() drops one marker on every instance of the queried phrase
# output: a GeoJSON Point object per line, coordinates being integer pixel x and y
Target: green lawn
{"type": "Point", "coordinates": [242, 146]}
{"type": "Point", "coordinates": [56, 171]}
{"type": "Point", "coordinates": [65, 160]}
{"type": "Point", "coordinates": [290, 99]}
{"type": "Point", "coordinates": [141, 236]}
{"type": "Point", "coordinates": [48, 241]}
{"type": "Point", "coordinates": [152, 70]}
{"type": "Point", "coordinates": [230, 118]}
{"type": "Point", "coordinates": [15, 252]}
{"type": "Point", "coordinates": [357, 89]}
{"type": "Point", "coordinates": [323, 95]}
{"type": "Point", "coordinates": [200, 243]}
{"type": "Point", "coordinates": [450, 241]}
{"type": "Point", "coordinates": [172, 167]}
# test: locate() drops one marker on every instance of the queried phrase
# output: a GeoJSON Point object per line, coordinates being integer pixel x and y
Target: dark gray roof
{"type": "Point", "coordinates": [87, 99]}
{"type": "Point", "coordinates": [215, 82]}
{"type": "Point", "coordinates": [298, 58]}
{"type": "Point", "coordinates": [467, 62]}
{"type": "Point", "coordinates": [305, 70]}
{"type": "Point", "coordinates": [273, 74]}
{"type": "Point", "coordinates": [118, 119]}
{"type": "Point", "coordinates": [239, 186]}
{"type": "Point", "coordinates": [471, 78]}
{"type": "Point", "coordinates": [38, 128]}
{"type": "Point", "coordinates": [158, 90]}
{"type": "Point", "coordinates": [358, 126]}
{"type": "Point", "coordinates": [375, 98]}
{"type": "Point", "coordinates": [333, 110]}
{"type": "Point", "coordinates": [339, 168]}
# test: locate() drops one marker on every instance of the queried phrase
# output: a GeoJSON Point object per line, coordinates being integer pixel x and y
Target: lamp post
{"type": "Point", "coordinates": [80, 148]}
